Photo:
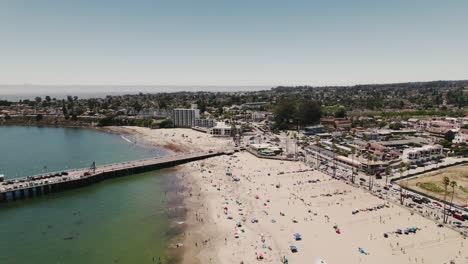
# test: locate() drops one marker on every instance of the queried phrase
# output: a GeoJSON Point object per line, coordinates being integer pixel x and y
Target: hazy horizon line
{"type": "Point", "coordinates": [225, 85]}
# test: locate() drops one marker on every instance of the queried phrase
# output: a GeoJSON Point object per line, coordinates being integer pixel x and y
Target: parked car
{"type": "Point", "coordinates": [458, 216]}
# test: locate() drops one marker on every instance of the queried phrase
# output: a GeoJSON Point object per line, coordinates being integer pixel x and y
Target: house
{"type": "Point", "coordinates": [423, 154]}
{"type": "Point", "coordinates": [461, 137]}
{"type": "Point", "coordinates": [336, 123]}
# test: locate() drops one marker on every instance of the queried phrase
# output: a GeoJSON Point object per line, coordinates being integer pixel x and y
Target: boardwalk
{"type": "Point", "coordinates": [32, 186]}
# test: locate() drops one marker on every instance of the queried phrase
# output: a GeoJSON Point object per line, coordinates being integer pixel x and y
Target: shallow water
{"type": "Point", "coordinates": [121, 220]}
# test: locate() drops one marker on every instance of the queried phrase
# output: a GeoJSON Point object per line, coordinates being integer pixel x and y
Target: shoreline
{"type": "Point", "coordinates": [189, 244]}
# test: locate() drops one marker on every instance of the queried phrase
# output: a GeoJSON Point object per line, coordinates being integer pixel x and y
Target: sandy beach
{"type": "Point", "coordinates": [256, 211]}
{"type": "Point", "coordinates": [177, 139]}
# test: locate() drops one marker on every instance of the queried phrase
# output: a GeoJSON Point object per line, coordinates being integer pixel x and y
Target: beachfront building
{"type": "Point", "coordinates": [220, 130]}
{"type": "Point", "coordinates": [373, 167]}
{"type": "Point", "coordinates": [423, 154]}
{"type": "Point", "coordinates": [184, 117]}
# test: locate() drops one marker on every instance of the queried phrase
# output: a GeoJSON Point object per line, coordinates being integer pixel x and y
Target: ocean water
{"type": "Point", "coordinates": [122, 220]}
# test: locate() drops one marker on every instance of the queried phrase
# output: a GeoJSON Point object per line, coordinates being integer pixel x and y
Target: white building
{"type": "Point", "coordinates": [461, 137]}
{"type": "Point", "coordinates": [260, 115]}
{"type": "Point", "coordinates": [423, 154]}
{"type": "Point", "coordinates": [220, 130]}
{"type": "Point", "coordinates": [183, 117]}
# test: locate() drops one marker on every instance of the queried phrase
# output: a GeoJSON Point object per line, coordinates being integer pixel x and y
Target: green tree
{"type": "Point", "coordinates": [382, 124]}
{"type": "Point", "coordinates": [307, 112]}
{"type": "Point", "coordinates": [395, 126]}
{"type": "Point", "coordinates": [449, 136]}
{"type": "Point", "coordinates": [39, 117]}
{"type": "Point", "coordinates": [137, 106]}
{"type": "Point", "coordinates": [201, 105]}
{"type": "Point", "coordinates": [445, 143]}
{"type": "Point", "coordinates": [284, 113]}
{"type": "Point", "coordinates": [341, 113]}
{"type": "Point", "coordinates": [388, 171]}
{"type": "Point", "coordinates": [166, 123]}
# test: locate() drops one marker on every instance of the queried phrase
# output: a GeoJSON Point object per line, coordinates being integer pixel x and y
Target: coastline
{"type": "Point", "coordinates": [205, 207]}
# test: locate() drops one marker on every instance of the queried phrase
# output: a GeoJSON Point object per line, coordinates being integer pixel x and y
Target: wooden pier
{"type": "Point", "coordinates": [37, 185]}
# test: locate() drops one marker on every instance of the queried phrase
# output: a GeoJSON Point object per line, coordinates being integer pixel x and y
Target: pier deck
{"type": "Point", "coordinates": [28, 187]}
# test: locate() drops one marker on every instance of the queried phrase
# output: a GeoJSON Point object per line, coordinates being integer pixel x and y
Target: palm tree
{"type": "Point", "coordinates": [371, 177]}
{"type": "Point", "coordinates": [446, 183]}
{"type": "Point", "coordinates": [407, 167]}
{"type": "Point", "coordinates": [401, 170]}
{"type": "Point", "coordinates": [453, 184]}
{"type": "Point", "coordinates": [353, 152]}
{"type": "Point", "coordinates": [388, 171]}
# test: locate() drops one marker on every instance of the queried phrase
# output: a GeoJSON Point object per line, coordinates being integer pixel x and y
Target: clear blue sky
{"type": "Point", "coordinates": [232, 42]}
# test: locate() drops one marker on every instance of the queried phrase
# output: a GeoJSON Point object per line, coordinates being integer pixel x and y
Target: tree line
{"type": "Point", "coordinates": [296, 113]}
